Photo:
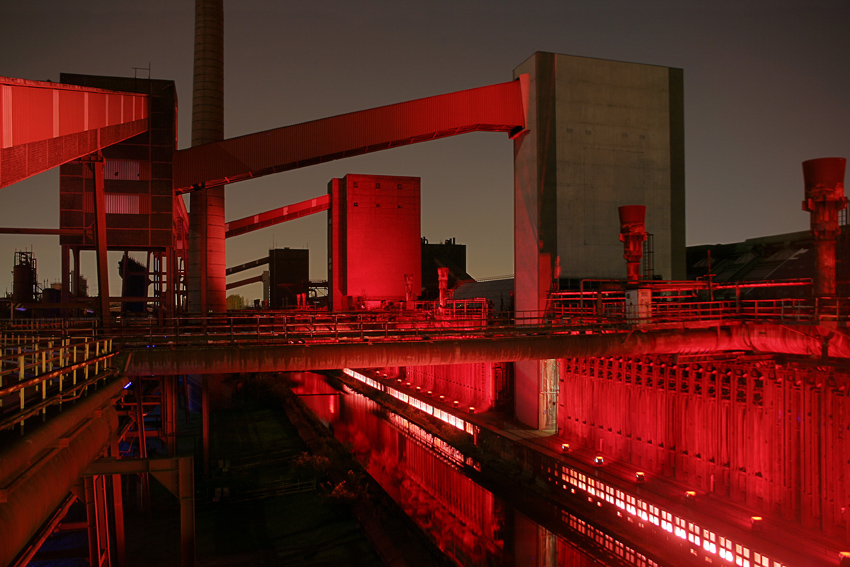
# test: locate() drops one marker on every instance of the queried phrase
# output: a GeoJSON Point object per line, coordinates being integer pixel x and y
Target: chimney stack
{"type": "Point", "coordinates": [206, 269]}
{"type": "Point", "coordinates": [824, 184]}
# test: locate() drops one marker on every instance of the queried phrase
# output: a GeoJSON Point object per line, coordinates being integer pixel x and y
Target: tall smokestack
{"type": "Point", "coordinates": [824, 184]}
{"type": "Point", "coordinates": [206, 277]}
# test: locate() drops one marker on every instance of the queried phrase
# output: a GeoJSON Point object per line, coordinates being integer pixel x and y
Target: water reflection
{"type": "Point", "coordinates": [422, 474]}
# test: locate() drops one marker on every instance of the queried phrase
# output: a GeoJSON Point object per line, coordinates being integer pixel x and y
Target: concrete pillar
{"type": "Point", "coordinates": [206, 269]}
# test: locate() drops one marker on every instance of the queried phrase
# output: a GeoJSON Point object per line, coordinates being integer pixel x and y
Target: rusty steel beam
{"type": "Point", "coordinates": [247, 266]}
{"type": "Point", "coordinates": [494, 108]}
{"type": "Point", "coordinates": [811, 341]}
{"type": "Point", "coordinates": [38, 471]}
{"type": "Point", "coordinates": [46, 231]}
{"type": "Point", "coordinates": [277, 216]}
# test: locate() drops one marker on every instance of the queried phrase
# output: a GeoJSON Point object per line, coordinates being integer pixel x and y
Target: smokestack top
{"type": "Point", "coordinates": [631, 215]}
{"type": "Point", "coordinates": [824, 175]}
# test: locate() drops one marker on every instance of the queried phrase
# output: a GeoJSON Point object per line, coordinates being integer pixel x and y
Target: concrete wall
{"type": "Point", "coordinates": [614, 147]}
{"type": "Point", "coordinates": [601, 134]}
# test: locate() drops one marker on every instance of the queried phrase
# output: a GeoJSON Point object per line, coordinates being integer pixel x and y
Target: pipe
{"type": "Point", "coordinates": [33, 483]}
{"type": "Point", "coordinates": [632, 235]}
{"type": "Point", "coordinates": [768, 338]}
{"type": "Point", "coordinates": [443, 281]}
{"type": "Point", "coordinates": [824, 185]}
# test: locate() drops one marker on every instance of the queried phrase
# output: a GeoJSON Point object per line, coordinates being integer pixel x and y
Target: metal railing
{"type": "Point", "coordinates": [673, 304]}
{"type": "Point", "coordinates": [35, 375]}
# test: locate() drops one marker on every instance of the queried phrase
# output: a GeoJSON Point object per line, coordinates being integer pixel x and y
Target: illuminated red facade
{"type": "Point", "coordinates": [373, 241]}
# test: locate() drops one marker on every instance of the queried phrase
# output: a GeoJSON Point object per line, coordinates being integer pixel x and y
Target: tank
{"type": "Point", "coordinates": [24, 278]}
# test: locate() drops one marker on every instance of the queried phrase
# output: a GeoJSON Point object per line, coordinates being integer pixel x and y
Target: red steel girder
{"type": "Point", "coordinates": [247, 266]}
{"type": "Point", "coordinates": [43, 124]}
{"type": "Point", "coordinates": [283, 214]}
{"type": "Point", "coordinates": [494, 108]}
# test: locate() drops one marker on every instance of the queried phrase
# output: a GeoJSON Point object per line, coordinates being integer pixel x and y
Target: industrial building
{"type": "Point", "coordinates": [698, 421]}
{"type": "Point", "coordinates": [373, 241]}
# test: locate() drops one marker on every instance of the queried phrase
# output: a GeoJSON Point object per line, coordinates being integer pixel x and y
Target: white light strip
{"type": "Point", "coordinates": [442, 415]}
{"type": "Point", "coordinates": [702, 539]}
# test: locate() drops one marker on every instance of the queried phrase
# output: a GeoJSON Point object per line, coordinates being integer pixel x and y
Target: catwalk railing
{"type": "Point", "coordinates": [597, 311]}
{"type": "Point", "coordinates": [44, 370]}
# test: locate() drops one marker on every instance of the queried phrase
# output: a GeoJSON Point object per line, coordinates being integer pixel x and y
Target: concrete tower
{"type": "Point", "coordinates": [601, 134]}
{"type": "Point", "coordinates": [206, 277]}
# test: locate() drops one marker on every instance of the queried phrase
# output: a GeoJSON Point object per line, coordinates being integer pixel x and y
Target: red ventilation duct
{"type": "Point", "coordinates": [824, 180]}
{"type": "Point", "coordinates": [632, 235]}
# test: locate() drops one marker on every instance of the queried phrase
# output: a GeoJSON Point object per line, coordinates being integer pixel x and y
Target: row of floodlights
{"type": "Point", "coordinates": [430, 393]}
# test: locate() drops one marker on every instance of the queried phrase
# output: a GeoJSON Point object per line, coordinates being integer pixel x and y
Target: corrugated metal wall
{"type": "Point", "coordinates": [43, 125]}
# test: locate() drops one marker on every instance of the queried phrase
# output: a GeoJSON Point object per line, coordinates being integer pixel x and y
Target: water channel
{"type": "Point", "coordinates": [470, 524]}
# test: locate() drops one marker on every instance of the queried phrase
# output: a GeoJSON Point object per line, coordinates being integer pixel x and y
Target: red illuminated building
{"type": "Point", "coordinates": [373, 241]}
{"type": "Point", "coordinates": [678, 411]}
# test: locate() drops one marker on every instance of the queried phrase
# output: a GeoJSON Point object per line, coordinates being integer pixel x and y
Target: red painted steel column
{"type": "Point", "coordinates": [118, 509]}
{"type": "Point", "coordinates": [66, 274]}
{"type": "Point", "coordinates": [91, 520]}
{"type": "Point", "coordinates": [143, 445]}
{"type": "Point", "coordinates": [206, 209]}
{"type": "Point", "coordinates": [824, 181]}
{"type": "Point", "coordinates": [100, 242]}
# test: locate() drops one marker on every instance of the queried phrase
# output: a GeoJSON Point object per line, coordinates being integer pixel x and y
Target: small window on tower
{"type": "Point", "coordinates": [377, 185]}
{"type": "Point", "coordinates": [355, 204]}
{"type": "Point", "coordinates": [399, 186]}
{"type": "Point", "coordinates": [355, 185]}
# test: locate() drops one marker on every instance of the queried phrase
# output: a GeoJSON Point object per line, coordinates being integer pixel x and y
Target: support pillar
{"type": "Point", "coordinates": [143, 444]}
{"type": "Point", "coordinates": [66, 273]}
{"type": "Point", "coordinates": [91, 521]}
{"type": "Point", "coordinates": [186, 472]}
{"type": "Point", "coordinates": [205, 421]}
{"type": "Point", "coordinates": [76, 278]}
{"type": "Point", "coordinates": [118, 509]}
{"type": "Point", "coordinates": [100, 241]}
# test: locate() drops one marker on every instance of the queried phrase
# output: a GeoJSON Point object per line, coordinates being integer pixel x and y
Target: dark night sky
{"type": "Point", "coordinates": [766, 86]}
